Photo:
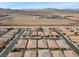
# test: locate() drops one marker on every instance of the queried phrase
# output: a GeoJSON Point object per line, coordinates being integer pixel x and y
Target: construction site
{"type": "Point", "coordinates": [39, 33]}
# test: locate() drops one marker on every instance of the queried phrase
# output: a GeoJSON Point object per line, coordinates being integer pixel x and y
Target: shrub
{"type": "Point", "coordinates": [56, 49]}
{"type": "Point", "coordinates": [40, 29]}
{"type": "Point", "coordinates": [15, 50]}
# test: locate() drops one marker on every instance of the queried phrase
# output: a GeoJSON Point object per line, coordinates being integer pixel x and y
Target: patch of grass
{"type": "Point", "coordinates": [47, 36]}
{"type": "Point", "coordinates": [76, 33]}
{"type": "Point", "coordinates": [40, 29]}
{"type": "Point", "coordinates": [41, 37]}
{"type": "Point", "coordinates": [57, 36]}
{"type": "Point", "coordinates": [55, 49]}
{"type": "Point", "coordinates": [42, 48]}
{"type": "Point", "coordinates": [63, 49]}
{"type": "Point", "coordinates": [24, 35]}
{"type": "Point", "coordinates": [50, 28]}
{"type": "Point", "coordinates": [71, 30]}
{"type": "Point", "coordinates": [10, 29]}
{"type": "Point", "coordinates": [15, 50]}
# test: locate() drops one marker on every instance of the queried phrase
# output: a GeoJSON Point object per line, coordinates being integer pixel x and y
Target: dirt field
{"type": "Point", "coordinates": [23, 19]}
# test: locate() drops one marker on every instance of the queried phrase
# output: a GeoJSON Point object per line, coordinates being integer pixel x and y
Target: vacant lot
{"type": "Point", "coordinates": [25, 19]}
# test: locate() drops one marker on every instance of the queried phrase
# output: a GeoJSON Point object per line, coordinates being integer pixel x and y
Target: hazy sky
{"type": "Point", "coordinates": [39, 5]}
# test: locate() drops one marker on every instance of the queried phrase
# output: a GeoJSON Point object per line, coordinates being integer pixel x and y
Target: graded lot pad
{"type": "Point", "coordinates": [44, 48]}
{"type": "Point", "coordinates": [55, 46]}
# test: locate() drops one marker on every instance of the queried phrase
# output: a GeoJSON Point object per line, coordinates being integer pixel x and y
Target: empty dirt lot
{"type": "Point", "coordinates": [20, 18]}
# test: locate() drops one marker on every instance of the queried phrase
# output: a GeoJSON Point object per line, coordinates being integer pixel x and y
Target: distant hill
{"type": "Point", "coordinates": [26, 11]}
{"type": "Point", "coordinates": [50, 9]}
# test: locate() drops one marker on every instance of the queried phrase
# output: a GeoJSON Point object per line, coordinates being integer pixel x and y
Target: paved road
{"type": "Point", "coordinates": [44, 26]}
{"type": "Point", "coordinates": [5, 52]}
